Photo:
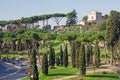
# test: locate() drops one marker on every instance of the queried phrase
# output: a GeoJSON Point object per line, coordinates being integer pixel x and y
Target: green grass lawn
{"type": "Point", "coordinates": [17, 54]}
{"type": "Point", "coordinates": [98, 76]}
{"type": "Point", "coordinates": [60, 72]}
{"type": "Point", "coordinates": [57, 73]}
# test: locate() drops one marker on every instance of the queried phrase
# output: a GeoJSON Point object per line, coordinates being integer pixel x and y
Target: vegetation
{"type": "Point", "coordinates": [101, 41]}
{"type": "Point", "coordinates": [61, 56]}
{"type": "Point", "coordinates": [65, 57]}
{"type": "Point", "coordinates": [113, 32]}
{"type": "Point", "coordinates": [89, 55]}
{"type": "Point", "coordinates": [82, 63]}
{"type": "Point", "coordinates": [73, 53]}
{"type": "Point", "coordinates": [71, 18]}
{"type": "Point", "coordinates": [96, 56]}
{"type": "Point", "coordinates": [45, 64]}
{"type": "Point", "coordinates": [33, 75]}
{"type": "Point", "coordinates": [51, 56]}
{"type": "Point", "coordinates": [98, 76]}
{"type": "Point", "coordinates": [57, 61]}
{"type": "Point", "coordinates": [57, 73]}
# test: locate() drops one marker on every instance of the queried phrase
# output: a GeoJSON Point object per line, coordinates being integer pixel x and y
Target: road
{"type": "Point", "coordinates": [10, 72]}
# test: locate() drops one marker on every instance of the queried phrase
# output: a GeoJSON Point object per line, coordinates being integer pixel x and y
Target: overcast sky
{"type": "Point", "coordinates": [15, 9]}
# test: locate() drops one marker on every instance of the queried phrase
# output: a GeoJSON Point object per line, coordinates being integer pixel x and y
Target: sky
{"type": "Point", "coordinates": [15, 9]}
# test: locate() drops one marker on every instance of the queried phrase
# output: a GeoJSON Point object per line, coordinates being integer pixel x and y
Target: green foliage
{"type": "Point", "coordinates": [71, 18]}
{"type": "Point", "coordinates": [65, 56]}
{"type": "Point", "coordinates": [77, 58]}
{"type": "Point", "coordinates": [82, 60]}
{"type": "Point", "coordinates": [1, 34]}
{"type": "Point", "coordinates": [73, 53]}
{"type": "Point", "coordinates": [53, 50]}
{"type": "Point", "coordinates": [3, 23]}
{"type": "Point", "coordinates": [61, 56]}
{"type": "Point", "coordinates": [89, 54]}
{"type": "Point", "coordinates": [57, 61]}
{"type": "Point", "coordinates": [85, 18]}
{"type": "Point", "coordinates": [70, 36]}
{"type": "Point", "coordinates": [98, 76]}
{"type": "Point", "coordinates": [59, 72]}
{"type": "Point", "coordinates": [96, 56]}
{"type": "Point", "coordinates": [45, 64]}
{"type": "Point", "coordinates": [33, 66]}
{"type": "Point", "coordinates": [113, 30]}
{"type": "Point", "coordinates": [51, 56]}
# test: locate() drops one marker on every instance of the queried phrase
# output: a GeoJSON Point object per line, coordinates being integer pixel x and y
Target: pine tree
{"type": "Point", "coordinates": [65, 58]}
{"type": "Point", "coordinates": [45, 64]}
{"type": "Point", "coordinates": [33, 66]}
{"type": "Point", "coordinates": [71, 18]}
{"type": "Point", "coordinates": [82, 60]}
{"type": "Point", "coordinates": [61, 56]}
{"type": "Point", "coordinates": [73, 54]}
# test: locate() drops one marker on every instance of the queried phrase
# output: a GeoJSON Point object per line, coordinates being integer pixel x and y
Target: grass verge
{"type": "Point", "coordinates": [98, 76]}
{"type": "Point", "coordinates": [57, 73]}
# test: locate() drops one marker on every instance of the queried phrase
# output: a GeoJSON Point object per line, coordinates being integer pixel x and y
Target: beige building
{"type": "Point", "coordinates": [95, 16]}
{"type": "Point", "coordinates": [82, 22]}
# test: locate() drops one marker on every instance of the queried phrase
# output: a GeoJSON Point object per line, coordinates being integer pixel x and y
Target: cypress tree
{"type": "Point", "coordinates": [65, 58]}
{"type": "Point", "coordinates": [96, 56]}
{"type": "Point", "coordinates": [113, 32]}
{"type": "Point", "coordinates": [77, 46]}
{"type": "Point", "coordinates": [77, 58]}
{"type": "Point", "coordinates": [61, 56]}
{"type": "Point", "coordinates": [51, 59]}
{"type": "Point", "coordinates": [73, 54]}
{"type": "Point", "coordinates": [45, 64]}
{"type": "Point", "coordinates": [53, 51]}
{"type": "Point", "coordinates": [33, 67]}
{"type": "Point", "coordinates": [82, 60]}
{"type": "Point", "coordinates": [57, 61]}
{"type": "Point", "coordinates": [89, 54]}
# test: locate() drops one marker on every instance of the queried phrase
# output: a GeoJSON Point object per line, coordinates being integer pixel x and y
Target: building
{"type": "Point", "coordinates": [95, 16]}
{"type": "Point", "coordinates": [82, 22]}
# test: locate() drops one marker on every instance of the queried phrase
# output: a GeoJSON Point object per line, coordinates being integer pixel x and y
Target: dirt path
{"type": "Point", "coordinates": [108, 68]}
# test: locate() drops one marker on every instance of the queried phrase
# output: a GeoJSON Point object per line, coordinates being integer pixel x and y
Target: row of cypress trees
{"type": "Point", "coordinates": [81, 56]}
{"type": "Point", "coordinates": [62, 59]}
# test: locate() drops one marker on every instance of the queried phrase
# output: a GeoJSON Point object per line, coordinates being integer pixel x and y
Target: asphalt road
{"type": "Point", "coordinates": [10, 72]}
